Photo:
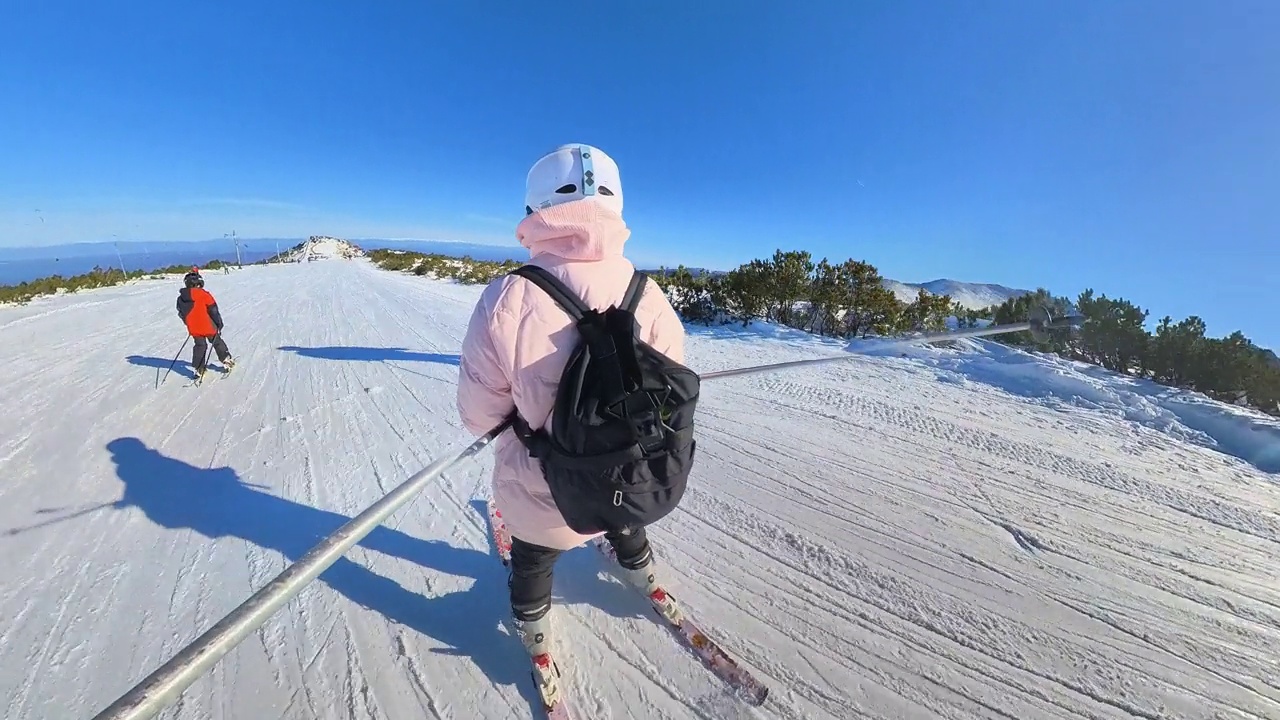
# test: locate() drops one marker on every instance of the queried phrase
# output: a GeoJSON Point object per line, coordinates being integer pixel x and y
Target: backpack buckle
{"type": "Point", "coordinates": [639, 403]}
{"type": "Point", "coordinates": [535, 442]}
{"type": "Point", "coordinates": [649, 431]}
{"type": "Point", "coordinates": [644, 413]}
{"type": "Point", "coordinates": [650, 436]}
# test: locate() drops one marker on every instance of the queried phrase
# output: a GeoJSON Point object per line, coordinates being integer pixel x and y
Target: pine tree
{"type": "Point", "coordinates": [1113, 335]}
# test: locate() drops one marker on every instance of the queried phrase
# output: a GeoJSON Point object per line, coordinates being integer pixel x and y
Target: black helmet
{"type": "Point", "coordinates": [193, 279]}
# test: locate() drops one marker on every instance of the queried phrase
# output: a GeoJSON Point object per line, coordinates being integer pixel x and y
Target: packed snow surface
{"type": "Point", "coordinates": [965, 532]}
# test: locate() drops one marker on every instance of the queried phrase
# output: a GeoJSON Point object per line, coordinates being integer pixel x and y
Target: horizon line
{"type": "Point", "coordinates": [247, 238]}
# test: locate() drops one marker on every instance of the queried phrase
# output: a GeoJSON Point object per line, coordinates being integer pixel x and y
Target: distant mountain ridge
{"type": "Point", "coordinates": [974, 296]}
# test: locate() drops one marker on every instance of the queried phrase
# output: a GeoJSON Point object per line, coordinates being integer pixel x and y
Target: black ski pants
{"type": "Point", "coordinates": [201, 348]}
{"type": "Point", "coordinates": [532, 565]}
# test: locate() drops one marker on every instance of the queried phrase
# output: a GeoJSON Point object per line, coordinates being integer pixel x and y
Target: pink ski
{"type": "Point", "coordinates": [545, 672]}
{"type": "Point", "coordinates": [501, 537]}
{"type": "Point", "coordinates": [546, 677]}
{"type": "Point", "coordinates": [717, 660]}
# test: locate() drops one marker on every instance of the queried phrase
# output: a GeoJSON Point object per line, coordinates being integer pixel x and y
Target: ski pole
{"type": "Point", "coordinates": [175, 361]}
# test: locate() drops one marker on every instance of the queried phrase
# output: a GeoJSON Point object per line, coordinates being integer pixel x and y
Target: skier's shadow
{"type": "Point", "coordinates": [372, 354]}
{"type": "Point", "coordinates": [216, 503]}
{"type": "Point", "coordinates": [181, 367]}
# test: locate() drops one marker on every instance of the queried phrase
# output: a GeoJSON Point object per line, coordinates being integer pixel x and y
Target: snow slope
{"type": "Point", "coordinates": [1244, 433]}
{"type": "Point", "coordinates": [953, 534]}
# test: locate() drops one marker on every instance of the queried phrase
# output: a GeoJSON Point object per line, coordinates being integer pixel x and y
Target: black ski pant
{"type": "Point", "coordinates": [532, 565]}
{"type": "Point", "coordinates": [201, 348]}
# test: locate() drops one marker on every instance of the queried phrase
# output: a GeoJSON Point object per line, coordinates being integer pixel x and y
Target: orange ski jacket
{"type": "Point", "coordinates": [199, 311]}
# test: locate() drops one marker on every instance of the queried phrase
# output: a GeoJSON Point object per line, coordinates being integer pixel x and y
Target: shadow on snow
{"type": "Point", "coordinates": [181, 367]}
{"type": "Point", "coordinates": [216, 503]}
{"type": "Point", "coordinates": [371, 354]}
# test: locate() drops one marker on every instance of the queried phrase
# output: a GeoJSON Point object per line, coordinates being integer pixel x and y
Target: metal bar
{"type": "Point", "coordinates": [927, 338]}
{"type": "Point", "coordinates": [163, 686]}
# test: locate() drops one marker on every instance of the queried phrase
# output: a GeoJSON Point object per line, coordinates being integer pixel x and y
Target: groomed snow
{"type": "Point", "coordinates": [973, 533]}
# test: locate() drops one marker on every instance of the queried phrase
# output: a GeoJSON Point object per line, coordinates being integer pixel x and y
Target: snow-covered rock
{"type": "Point", "coordinates": [322, 247]}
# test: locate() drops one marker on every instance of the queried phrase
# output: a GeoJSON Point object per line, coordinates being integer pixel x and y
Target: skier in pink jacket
{"type": "Point", "coordinates": [517, 344]}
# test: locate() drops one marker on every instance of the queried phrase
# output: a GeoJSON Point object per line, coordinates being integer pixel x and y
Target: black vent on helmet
{"type": "Point", "coordinates": [567, 189]}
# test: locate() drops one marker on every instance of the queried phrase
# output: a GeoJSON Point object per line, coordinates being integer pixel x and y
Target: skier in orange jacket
{"type": "Point", "coordinates": [199, 311]}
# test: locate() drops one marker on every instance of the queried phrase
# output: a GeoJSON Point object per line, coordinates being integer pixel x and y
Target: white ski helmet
{"type": "Point", "coordinates": [573, 172]}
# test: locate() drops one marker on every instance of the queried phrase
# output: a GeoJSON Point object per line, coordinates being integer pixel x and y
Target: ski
{"type": "Point", "coordinates": [546, 678]}
{"type": "Point", "coordinates": [501, 538]}
{"type": "Point", "coordinates": [200, 379]}
{"type": "Point", "coordinates": [223, 371]}
{"type": "Point", "coordinates": [544, 671]}
{"type": "Point", "coordinates": [690, 634]}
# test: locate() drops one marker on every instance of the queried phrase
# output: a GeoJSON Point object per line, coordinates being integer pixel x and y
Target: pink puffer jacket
{"type": "Point", "coordinates": [519, 340]}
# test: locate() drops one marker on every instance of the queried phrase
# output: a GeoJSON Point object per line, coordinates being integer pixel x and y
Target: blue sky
{"type": "Point", "coordinates": [1132, 147]}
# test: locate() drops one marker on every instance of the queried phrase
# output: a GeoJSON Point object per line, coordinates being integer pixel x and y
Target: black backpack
{"type": "Point", "coordinates": [620, 446]}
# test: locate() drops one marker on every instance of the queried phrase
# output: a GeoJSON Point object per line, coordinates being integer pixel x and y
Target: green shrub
{"type": "Point", "coordinates": [465, 270]}
{"type": "Point", "coordinates": [848, 299]}
{"type": "Point", "coordinates": [95, 278]}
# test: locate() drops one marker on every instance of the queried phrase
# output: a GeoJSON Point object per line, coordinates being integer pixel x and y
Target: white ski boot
{"type": "Point", "coordinates": [644, 579]}
{"type": "Point", "coordinates": [535, 634]}
{"type": "Point", "coordinates": [536, 637]}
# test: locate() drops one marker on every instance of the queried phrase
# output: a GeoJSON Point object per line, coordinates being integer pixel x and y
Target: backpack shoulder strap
{"type": "Point", "coordinates": [635, 291]}
{"type": "Point", "coordinates": [551, 285]}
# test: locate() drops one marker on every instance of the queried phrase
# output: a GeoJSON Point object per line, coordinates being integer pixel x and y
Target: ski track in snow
{"type": "Point", "coordinates": [871, 541]}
